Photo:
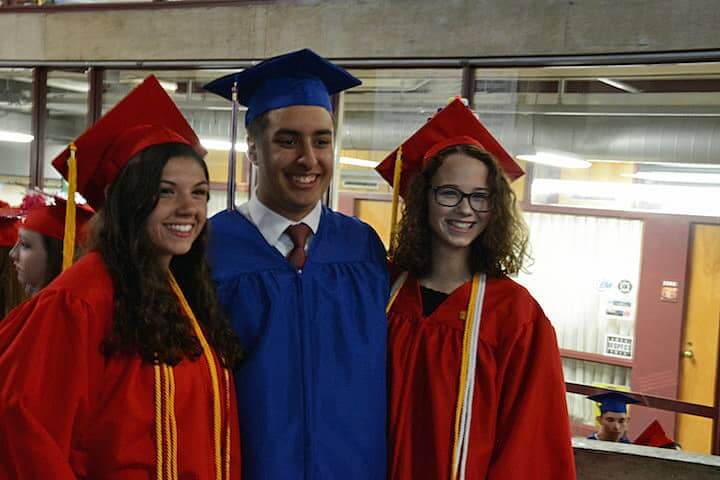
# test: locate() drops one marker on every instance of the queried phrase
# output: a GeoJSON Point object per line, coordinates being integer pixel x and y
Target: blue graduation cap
{"type": "Point", "coordinates": [613, 401]}
{"type": "Point", "coordinates": [297, 78]}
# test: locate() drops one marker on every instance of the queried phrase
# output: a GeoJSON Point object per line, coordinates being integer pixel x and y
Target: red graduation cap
{"type": "Point", "coordinates": [147, 116]}
{"type": "Point", "coordinates": [454, 125]}
{"type": "Point", "coordinates": [654, 436]}
{"type": "Point", "coordinates": [9, 223]}
{"type": "Point", "coordinates": [49, 220]}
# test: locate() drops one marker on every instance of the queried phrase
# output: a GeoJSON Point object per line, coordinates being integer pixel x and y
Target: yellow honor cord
{"type": "Point", "coordinates": [466, 353]}
{"type": "Point", "coordinates": [69, 237]}
{"type": "Point", "coordinates": [207, 353]}
{"type": "Point", "coordinates": [397, 172]}
{"type": "Point", "coordinates": [158, 423]}
{"type": "Point", "coordinates": [165, 423]}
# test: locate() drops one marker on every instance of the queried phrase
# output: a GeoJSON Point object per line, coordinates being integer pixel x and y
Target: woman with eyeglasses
{"type": "Point", "coordinates": [476, 384]}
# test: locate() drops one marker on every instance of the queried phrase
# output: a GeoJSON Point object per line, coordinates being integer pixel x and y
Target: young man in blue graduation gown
{"type": "Point", "coordinates": [305, 287]}
{"type": "Point", "coordinates": [614, 420]}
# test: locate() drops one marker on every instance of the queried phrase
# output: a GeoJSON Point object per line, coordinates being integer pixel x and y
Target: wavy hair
{"type": "Point", "coordinates": [501, 249]}
{"type": "Point", "coordinates": [148, 320]}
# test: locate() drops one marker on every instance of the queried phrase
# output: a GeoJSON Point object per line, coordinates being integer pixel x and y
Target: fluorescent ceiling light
{"type": "Point", "coordinates": [15, 137]}
{"type": "Point", "coordinates": [167, 86]}
{"type": "Point", "coordinates": [224, 145]}
{"type": "Point", "coordinates": [555, 158]}
{"type": "Point", "coordinates": [69, 85]}
{"type": "Point", "coordinates": [676, 177]}
{"type": "Point", "coordinates": [625, 87]}
{"type": "Point", "coordinates": [358, 162]}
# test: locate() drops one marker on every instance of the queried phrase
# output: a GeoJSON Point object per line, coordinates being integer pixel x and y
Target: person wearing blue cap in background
{"type": "Point", "coordinates": [305, 287]}
{"type": "Point", "coordinates": [614, 419]}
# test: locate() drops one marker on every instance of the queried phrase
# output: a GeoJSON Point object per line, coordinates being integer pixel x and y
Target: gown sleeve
{"type": "Point", "coordinates": [46, 356]}
{"type": "Point", "coordinates": [533, 431]}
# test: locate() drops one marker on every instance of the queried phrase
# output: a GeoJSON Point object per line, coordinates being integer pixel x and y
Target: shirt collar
{"type": "Point", "coordinates": [272, 225]}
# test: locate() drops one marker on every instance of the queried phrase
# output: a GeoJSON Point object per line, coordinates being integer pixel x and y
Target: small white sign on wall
{"type": "Point", "coordinates": [619, 346]}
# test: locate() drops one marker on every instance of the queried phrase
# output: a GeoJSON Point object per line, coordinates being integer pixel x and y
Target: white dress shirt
{"type": "Point", "coordinates": [272, 225]}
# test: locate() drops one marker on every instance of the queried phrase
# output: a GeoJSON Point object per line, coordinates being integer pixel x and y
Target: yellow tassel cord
{"type": "Point", "coordinates": [463, 375]}
{"type": "Point", "coordinates": [397, 171]}
{"type": "Point", "coordinates": [69, 238]}
{"type": "Point", "coordinates": [207, 353]}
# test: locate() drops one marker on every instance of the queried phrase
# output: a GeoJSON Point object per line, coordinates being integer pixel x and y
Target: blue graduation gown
{"type": "Point", "coordinates": [312, 389]}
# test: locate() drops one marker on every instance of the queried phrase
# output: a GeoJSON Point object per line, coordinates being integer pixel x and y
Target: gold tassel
{"type": "Point", "coordinates": [395, 199]}
{"type": "Point", "coordinates": [69, 238]}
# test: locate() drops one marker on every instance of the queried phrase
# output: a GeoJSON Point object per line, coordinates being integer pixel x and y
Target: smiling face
{"type": "Point", "coordinates": [458, 226]}
{"type": "Point", "coordinates": [181, 210]}
{"type": "Point", "coordinates": [30, 259]}
{"type": "Point", "coordinates": [294, 159]}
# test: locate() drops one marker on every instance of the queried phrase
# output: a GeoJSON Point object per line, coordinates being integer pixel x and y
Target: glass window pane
{"type": "Point", "coordinates": [581, 410]}
{"type": "Point", "coordinates": [67, 104]}
{"type": "Point", "coordinates": [585, 274]}
{"type": "Point", "coordinates": [636, 138]}
{"type": "Point", "coordinates": [378, 115]}
{"type": "Point", "coordinates": [15, 133]}
{"type": "Point", "coordinates": [207, 113]}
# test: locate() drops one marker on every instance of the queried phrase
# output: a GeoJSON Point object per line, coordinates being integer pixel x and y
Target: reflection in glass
{"type": "Point", "coordinates": [67, 94]}
{"type": "Point", "coordinates": [208, 114]}
{"type": "Point", "coordinates": [581, 409]}
{"type": "Point", "coordinates": [378, 116]}
{"type": "Point", "coordinates": [15, 133]}
{"type": "Point", "coordinates": [636, 138]}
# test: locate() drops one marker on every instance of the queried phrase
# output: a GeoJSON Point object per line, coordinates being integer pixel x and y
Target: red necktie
{"type": "Point", "coordinates": [298, 234]}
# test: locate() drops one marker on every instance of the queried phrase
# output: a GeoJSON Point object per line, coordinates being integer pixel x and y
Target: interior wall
{"type": "Point", "coordinates": [362, 29]}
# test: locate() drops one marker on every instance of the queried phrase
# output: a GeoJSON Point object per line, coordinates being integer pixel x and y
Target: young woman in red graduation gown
{"type": "Point", "coordinates": [38, 253]}
{"type": "Point", "coordinates": [119, 368]}
{"type": "Point", "coordinates": [11, 292]}
{"type": "Point", "coordinates": [460, 222]}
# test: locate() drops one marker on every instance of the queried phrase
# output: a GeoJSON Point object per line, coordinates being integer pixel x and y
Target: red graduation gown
{"type": "Point", "coordinates": [68, 412]}
{"type": "Point", "coordinates": [520, 427]}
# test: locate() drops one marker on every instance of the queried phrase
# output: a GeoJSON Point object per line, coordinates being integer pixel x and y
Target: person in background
{"type": "Point", "coordinates": [11, 293]}
{"type": "Point", "coordinates": [473, 360]}
{"type": "Point", "coordinates": [119, 368]}
{"type": "Point", "coordinates": [614, 420]}
{"type": "Point", "coordinates": [38, 254]}
{"type": "Point", "coordinates": [305, 287]}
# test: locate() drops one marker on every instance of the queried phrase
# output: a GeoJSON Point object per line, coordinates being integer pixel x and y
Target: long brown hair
{"type": "Point", "coordinates": [148, 320]}
{"type": "Point", "coordinates": [500, 249]}
{"type": "Point", "coordinates": [11, 292]}
{"type": "Point", "coordinates": [53, 258]}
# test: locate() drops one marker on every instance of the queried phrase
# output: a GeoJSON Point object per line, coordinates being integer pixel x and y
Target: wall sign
{"type": "Point", "coordinates": [618, 346]}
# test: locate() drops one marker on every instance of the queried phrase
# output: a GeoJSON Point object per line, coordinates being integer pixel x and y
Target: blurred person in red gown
{"type": "Point", "coordinates": [38, 253]}
{"type": "Point", "coordinates": [120, 367]}
{"type": "Point", "coordinates": [11, 293]}
{"type": "Point", "coordinates": [476, 384]}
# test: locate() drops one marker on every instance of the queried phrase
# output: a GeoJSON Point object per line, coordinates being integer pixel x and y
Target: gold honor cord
{"type": "Point", "coordinates": [463, 408]}
{"type": "Point", "coordinates": [69, 237]}
{"type": "Point", "coordinates": [207, 353]}
{"type": "Point", "coordinates": [397, 173]}
{"type": "Point", "coordinates": [165, 423]}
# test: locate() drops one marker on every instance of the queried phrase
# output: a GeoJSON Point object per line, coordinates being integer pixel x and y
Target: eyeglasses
{"type": "Point", "coordinates": [448, 196]}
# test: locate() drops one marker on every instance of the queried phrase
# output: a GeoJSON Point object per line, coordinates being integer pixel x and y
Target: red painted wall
{"type": "Point", "coordinates": [658, 327]}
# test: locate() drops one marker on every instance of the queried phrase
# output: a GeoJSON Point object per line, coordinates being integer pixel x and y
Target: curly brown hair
{"type": "Point", "coordinates": [501, 248]}
{"type": "Point", "coordinates": [148, 320]}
